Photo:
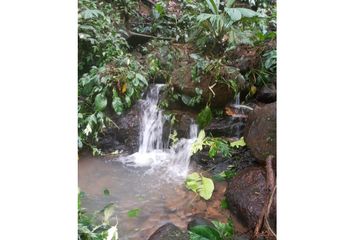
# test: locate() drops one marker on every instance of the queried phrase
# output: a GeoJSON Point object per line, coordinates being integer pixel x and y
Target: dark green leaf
{"type": "Point", "coordinates": [100, 102]}
{"type": "Point", "coordinates": [117, 105]}
{"type": "Point", "coordinates": [204, 117]}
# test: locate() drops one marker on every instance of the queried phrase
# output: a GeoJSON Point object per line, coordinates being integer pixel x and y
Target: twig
{"type": "Point", "coordinates": [267, 214]}
{"type": "Point", "coordinates": [270, 188]}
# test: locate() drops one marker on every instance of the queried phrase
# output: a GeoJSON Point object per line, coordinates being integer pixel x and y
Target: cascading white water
{"type": "Point", "coordinates": [173, 161]}
{"type": "Point", "coordinates": [151, 125]}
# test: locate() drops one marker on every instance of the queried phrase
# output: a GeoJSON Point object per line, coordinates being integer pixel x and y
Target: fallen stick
{"type": "Point", "coordinates": [270, 181]}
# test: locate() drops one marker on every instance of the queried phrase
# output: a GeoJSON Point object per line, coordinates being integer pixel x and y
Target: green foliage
{"type": "Point", "coordinates": [173, 137]}
{"type": "Point", "coordinates": [115, 86]}
{"type": "Point", "coordinates": [91, 228]}
{"type": "Point", "coordinates": [99, 39]}
{"type": "Point", "coordinates": [220, 231]}
{"type": "Point", "coordinates": [222, 26]}
{"type": "Point", "coordinates": [134, 212]}
{"type": "Point", "coordinates": [228, 174]}
{"type": "Point", "coordinates": [239, 143]}
{"type": "Point", "coordinates": [204, 117]}
{"type": "Point", "coordinates": [224, 204]}
{"type": "Point", "coordinates": [203, 186]}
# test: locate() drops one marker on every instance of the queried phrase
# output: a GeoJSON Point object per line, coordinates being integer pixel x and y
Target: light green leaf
{"type": "Point", "coordinates": [204, 16]}
{"type": "Point", "coordinates": [206, 189]}
{"type": "Point", "coordinates": [234, 14]}
{"type": "Point", "coordinates": [198, 144]}
{"type": "Point", "coordinates": [100, 102]}
{"type": "Point", "coordinates": [248, 12]}
{"type": "Point", "coordinates": [239, 143]}
{"type": "Point", "coordinates": [199, 184]}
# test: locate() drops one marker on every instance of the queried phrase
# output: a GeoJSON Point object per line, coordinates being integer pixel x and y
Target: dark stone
{"type": "Point", "coordinates": [125, 135]}
{"type": "Point", "coordinates": [246, 195]}
{"type": "Point", "coordinates": [267, 94]}
{"type": "Point", "coordinates": [241, 158]}
{"type": "Point", "coordinates": [197, 221]}
{"type": "Point", "coordinates": [226, 127]}
{"type": "Point", "coordinates": [183, 83]}
{"type": "Point", "coordinates": [169, 232]}
{"type": "Point", "coordinates": [244, 57]}
{"type": "Point", "coordinates": [260, 131]}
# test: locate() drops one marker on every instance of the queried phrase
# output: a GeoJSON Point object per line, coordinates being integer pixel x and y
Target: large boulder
{"type": "Point", "coordinates": [124, 134]}
{"type": "Point", "coordinates": [219, 92]}
{"type": "Point", "coordinates": [260, 131]}
{"type": "Point", "coordinates": [169, 231]}
{"type": "Point", "coordinates": [246, 195]}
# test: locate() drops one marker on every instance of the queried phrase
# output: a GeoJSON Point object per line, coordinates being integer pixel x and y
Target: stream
{"type": "Point", "coordinates": [151, 180]}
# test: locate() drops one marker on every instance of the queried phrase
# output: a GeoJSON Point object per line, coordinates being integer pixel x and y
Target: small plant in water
{"type": "Point", "coordinates": [96, 226]}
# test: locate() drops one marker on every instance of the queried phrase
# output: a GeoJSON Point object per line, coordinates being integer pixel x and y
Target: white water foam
{"type": "Point", "coordinates": [174, 161]}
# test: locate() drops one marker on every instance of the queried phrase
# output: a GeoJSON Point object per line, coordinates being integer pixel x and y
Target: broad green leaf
{"type": "Point", "coordinates": [117, 105]}
{"type": "Point", "coordinates": [206, 232]}
{"type": "Point", "coordinates": [198, 144]}
{"type": "Point", "coordinates": [214, 5]}
{"type": "Point", "coordinates": [206, 189]}
{"type": "Point", "coordinates": [248, 12]}
{"type": "Point", "coordinates": [141, 78]}
{"type": "Point", "coordinates": [204, 16]}
{"type": "Point", "coordinates": [199, 184]}
{"type": "Point", "coordinates": [234, 14]}
{"type": "Point", "coordinates": [134, 212]}
{"type": "Point", "coordinates": [229, 3]}
{"type": "Point", "coordinates": [239, 143]}
{"type": "Point", "coordinates": [100, 102]}
{"type": "Point", "coordinates": [204, 117]}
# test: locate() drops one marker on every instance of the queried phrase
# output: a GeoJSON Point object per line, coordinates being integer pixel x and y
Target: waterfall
{"type": "Point", "coordinates": [173, 161]}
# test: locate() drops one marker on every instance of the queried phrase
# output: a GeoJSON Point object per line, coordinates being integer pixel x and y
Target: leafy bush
{"type": "Point", "coordinates": [215, 145]}
{"type": "Point", "coordinates": [99, 39]}
{"type": "Point", "coordinates": [114, 86]}
{"type": "Point", "coordinates": [219, 27]}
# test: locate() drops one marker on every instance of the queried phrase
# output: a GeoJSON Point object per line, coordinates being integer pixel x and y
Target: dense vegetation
{"type": "Point", "coordinates": [113, 73]}
{"type": "Point", "coordinates": [126, 44]}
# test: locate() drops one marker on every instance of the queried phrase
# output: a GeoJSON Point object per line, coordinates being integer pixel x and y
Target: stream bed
{"type": "Point", "coordinates": [159, 200]}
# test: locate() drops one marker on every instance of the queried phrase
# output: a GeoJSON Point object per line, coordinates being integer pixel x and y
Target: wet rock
{"type": "Point", "coordinates": [241, 158]}
{"type": "Point", "coordinates": [260, 131]}
{"type": "Point", "coordinates": [183, 83]}
{"type": "Point", "coordinates": [125, 135]}
{"type": "Point", "coordinates": [196, 221]}
{"type": "Point", "coordinates": [246, 195]}
{"type": "Point", "coordinates": [244, 57]}
{"type": "Point", "coordinates": [267, 94]}
{"type": "Point", "coordinates": [169, 232]}
{"type": "Point", "coordinates": [226, 127]}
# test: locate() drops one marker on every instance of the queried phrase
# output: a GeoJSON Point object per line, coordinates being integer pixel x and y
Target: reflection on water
{"type": "Point", "coordinates": [160, 201]}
